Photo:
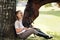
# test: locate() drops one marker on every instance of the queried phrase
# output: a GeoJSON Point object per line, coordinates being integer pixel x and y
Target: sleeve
{"type": "Point", "coordinates": [16, 25]}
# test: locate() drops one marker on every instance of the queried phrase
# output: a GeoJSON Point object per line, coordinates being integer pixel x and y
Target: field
{"type": "Point", "coordinates": [48, 22]}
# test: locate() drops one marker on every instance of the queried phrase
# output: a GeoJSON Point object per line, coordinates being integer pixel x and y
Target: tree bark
{"type": "Point", "coordinates": [58, 4]}
{"type": "Point", "coordinates": [7, 18]}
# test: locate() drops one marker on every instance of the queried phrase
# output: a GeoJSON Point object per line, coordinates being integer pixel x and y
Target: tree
{"type": "Point", "coordinates": [48, 5]}
{"type": "Point", "coordinates": [58, 4]}
{"type": "Point", "coordinates": [7, 18]}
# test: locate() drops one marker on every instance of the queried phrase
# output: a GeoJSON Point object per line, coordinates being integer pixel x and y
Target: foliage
{"type": "Point", "coordinates": [48, 5]}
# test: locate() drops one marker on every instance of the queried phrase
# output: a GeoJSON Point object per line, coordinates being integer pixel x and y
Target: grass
{"type": "Point", "coordinates": [56, 13]}
{"type": "Point", "coordinates": [49, 22]}
{"type": "Point", "coordinates": [56, 36]}
{"type": "Point", "coordinates": [49, 19]}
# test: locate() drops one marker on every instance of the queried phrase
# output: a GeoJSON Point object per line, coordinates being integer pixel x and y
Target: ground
{"type": "Point", "coordinates": [48, 22]}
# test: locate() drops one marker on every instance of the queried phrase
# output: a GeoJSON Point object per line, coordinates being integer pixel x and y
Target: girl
{"type": "Point", "coordinates": [24, 32]}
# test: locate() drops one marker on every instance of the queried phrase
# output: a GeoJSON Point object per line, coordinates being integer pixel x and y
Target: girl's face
{"type": "Point", "coordinates": [19, 15]}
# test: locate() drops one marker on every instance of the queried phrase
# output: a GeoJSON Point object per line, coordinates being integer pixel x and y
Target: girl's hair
{"type": "Point", "coordinates": [17, 13]}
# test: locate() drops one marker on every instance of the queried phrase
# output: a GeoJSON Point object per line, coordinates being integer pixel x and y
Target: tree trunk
{"type": "Point", "coordinates": [58, 4]}
{"type": "Point", "coordinates": [7, 18]}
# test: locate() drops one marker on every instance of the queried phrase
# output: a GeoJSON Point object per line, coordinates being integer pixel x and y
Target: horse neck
{"type": "Point", "coordinates": [33, 10]}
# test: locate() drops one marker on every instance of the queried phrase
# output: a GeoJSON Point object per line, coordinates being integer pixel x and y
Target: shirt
{"type": "Point", "coordinates": [18, 24]}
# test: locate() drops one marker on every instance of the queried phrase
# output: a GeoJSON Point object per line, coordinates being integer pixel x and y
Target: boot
{"type": "Point", "coordinates": [41, 34]}
{"type": "Point", "coordinates": [44, 35]}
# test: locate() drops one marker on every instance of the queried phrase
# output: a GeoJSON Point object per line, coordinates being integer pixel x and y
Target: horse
{"type": "Point", "coordinates": [31, 11]}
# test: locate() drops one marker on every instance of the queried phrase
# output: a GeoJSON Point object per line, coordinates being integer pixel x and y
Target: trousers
{"type": "Point", "coordinates": [27, 33]}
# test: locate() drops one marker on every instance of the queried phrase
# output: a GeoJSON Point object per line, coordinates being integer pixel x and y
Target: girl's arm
{"type": "Point", "coordinates": [19, 30]}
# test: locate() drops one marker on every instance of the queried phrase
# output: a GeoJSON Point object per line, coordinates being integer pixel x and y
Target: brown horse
{"type": "Point", "coordinates": [32, 10]}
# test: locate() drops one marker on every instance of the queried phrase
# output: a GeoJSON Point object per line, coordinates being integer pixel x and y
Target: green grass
{"type": "Point", "coordinates": [49, 22]}
{"type": "Point", "coordinates": [55, 13]}
{"type": "Point", "coordinates": [49, 19]}
{"type": "Point", "coordinates": [56, 36]}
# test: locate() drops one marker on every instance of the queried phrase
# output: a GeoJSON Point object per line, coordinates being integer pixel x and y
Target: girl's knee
{"type": "Point", "coordinates": [31, 29]}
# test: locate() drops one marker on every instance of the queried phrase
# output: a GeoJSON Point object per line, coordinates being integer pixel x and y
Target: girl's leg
{"type": "Point", "coordinates": [27, 33]}
{"type": "Point", "coordinates": [33, 31]}
{"type": "Point", "coordinates": [42, 34]}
